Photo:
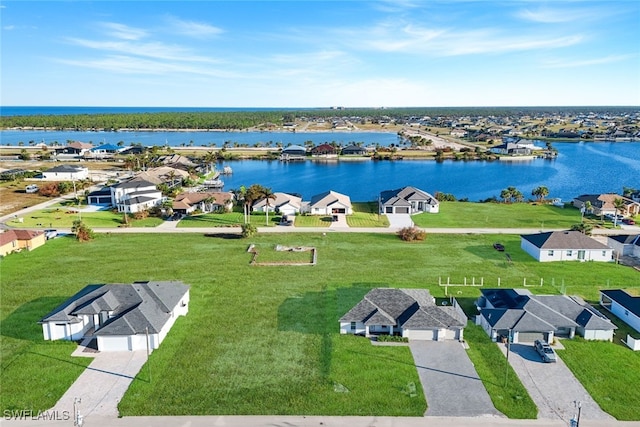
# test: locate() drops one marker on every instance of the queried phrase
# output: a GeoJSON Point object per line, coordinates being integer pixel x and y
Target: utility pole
{"type": "Point", "coordinates": [506, 367]}
{"type": "Point", "coordinates": [148, 363]}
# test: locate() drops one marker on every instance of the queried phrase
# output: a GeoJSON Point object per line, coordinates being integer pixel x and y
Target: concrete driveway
{"type": "Point", "coordinates": [450, 382]}
{"type": "Point", "coordinates": [400, 220]}
{"type": "Point", "coordinates": [552, 386]}
{"type": "Point", "coordinates": [103, 383]}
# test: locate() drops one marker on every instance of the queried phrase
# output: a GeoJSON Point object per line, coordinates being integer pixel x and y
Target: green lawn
{"type": "Point", "coordinates": [498, 215]}
{"type": "Point", "coordinates": [312, 221]}
{"type": "Point", "coordinates": [228, 219]}
{"type": "Point", "coordinates": [365, 214]}
{"type": "Point", "coordinates": [63, 217]}
{"type": "Point", "coordinates": [264, 340]}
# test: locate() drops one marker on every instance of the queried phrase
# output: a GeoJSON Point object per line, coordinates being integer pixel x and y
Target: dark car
{"type": "Point", "coordinates": [498, 247]}
{"type": "Point", "coordinates": [628, 221]}
{"type": "Point", "coordinates": [545, 351]}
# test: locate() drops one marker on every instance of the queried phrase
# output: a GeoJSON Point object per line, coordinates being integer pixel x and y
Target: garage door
{"type": "Point", "coordinates": [402, 210]}
{"type": "Point", "coordinates": [421, 334]}
{"type": "Point", "coordinates": [531, 336]}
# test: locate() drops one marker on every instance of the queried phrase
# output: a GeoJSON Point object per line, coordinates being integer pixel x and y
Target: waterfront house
{"type": "Point", "coordinates": [603, 204]}
{"type": "Point", "coordinates": [410, 313]}
{"type": "Point", "coordinates": [186, 203]}
{"type": "Point", "coordinates": [329, 203]}
{"type": "Point", "coordinates": [324, 150]}
{"type": "Point", "coordinates": [565, 246]}
{"type": "Point", "coordinates": [75, 148]}
{"type": "Point", "coordinates": [284, 204]}
{"type": "Point", "coordinates": [121, 317]}
{"type": "Point", "coordinates": [66, 173]}
{"type": "Point", "coordinates": [293, 152]}
{"type": "Point", "coordinates": [354, 150]}
{"type": "Point", "coordinates": [135, 195]}
{"type": "Point", "coordinates": [525, 317]}
{"type": "Point", "coordinates": [407, 200]}
{"type": "Point", "coordinates": [626, 307]}
{"type": "Point", "coordinates": [17, 240]}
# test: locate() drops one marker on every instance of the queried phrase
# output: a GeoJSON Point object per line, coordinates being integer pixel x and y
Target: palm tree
{"type": "Point", "coordinates": [268, 195]}
{"type": "Point", "coordinates": [586, 208]}
{"type": "Point", "coordinates": [619, 206]}
{"type": "Point", "coordinates": [540, 192]}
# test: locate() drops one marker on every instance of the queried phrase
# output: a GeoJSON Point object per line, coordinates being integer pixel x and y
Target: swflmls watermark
{"type": "Point", "coordinates": [31, 415]}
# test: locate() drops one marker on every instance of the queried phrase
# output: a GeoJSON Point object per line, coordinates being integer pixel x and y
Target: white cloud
{"type": "Point", "coordinates": [193, 29]}
{"type": "Point", "coordinates": [564, 63]}
{"type": "Point", "coordinates": [124, 32]}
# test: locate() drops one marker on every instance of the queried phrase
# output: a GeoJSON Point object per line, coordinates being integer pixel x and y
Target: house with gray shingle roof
{"type": "Point", "coordinates": [411, 313]}
{"type": "Point", "coordinates": [121, 317]}
{"type": "Point", "coordinates": [329, 203]}
{"type": "Point", "coordinates": [565, 246]}
{"type": "Point", "coordinates": [407, 200]}
{"type": "Point", "coordinates": [527, 317]}
{"type": "Point", "coordinates": [625, 244]}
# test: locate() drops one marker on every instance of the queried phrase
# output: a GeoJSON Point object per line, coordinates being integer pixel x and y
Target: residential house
{"type": "Point", "coordinates": [135, 195]}
{"type": "Point", "coordinates": [354, 150]}
{"type": "Point", "coordinates": [75, 148]}
{"type": "Point", "coordinates": [176, 161]}
{"type": "Point", "coordinates": [411, 313]}
{"type": "Point", "coordinates": [103, 151]}
{"type": "Point", "coordinates": [293, 152]}
{"type": "Point", "coordinates": [285, 204]}
{"type": "Point", "coordinates": [121, 317]}
{"type": "Point", "coordinates": [626, 307]}
{"type": "Point", "coordinates": [66, 173]}
{"type": "Point", "coordinates": [329, 203]}
{"type": "Point", "coordinates": [625, 244]}
{"type": "Point", "coordinates": [101, 197]}
{"type": "Point", "coordinates": [525, 317]}
{"type": "Point", "coordinates": [407, 200]}
{"type": "Point", "coordinates": [565, 246]}
{"type": "Point", "coordinates": [186, 203]}
{"type": "Point", "coordinates": [512, 149]}
{"type": "Point", "coordinates": [17, 240]}
{"type": "Point", "coordinates": [459, 133]}
{"type": "Point", "coordinates": [164, 175]}
{"type": "Point", "coordinates": [324, 150]}
{"type": "Point", "coordinates": [603, 204]}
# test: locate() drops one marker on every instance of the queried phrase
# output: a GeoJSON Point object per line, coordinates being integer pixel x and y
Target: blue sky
{"type": "Point", "coordinates": [318, 54]}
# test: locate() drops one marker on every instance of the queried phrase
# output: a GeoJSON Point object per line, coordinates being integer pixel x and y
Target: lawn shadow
{"type": "Point", "coordinates": [22, 323]}
{"type": "Point", "coordinates": [318, 313]}
{"type": "Point", "coordinates": [227, 236]}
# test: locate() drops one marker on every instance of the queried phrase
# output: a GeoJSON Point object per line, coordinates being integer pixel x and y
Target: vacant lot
{"type": "Point", "coordinates": [264, 340]}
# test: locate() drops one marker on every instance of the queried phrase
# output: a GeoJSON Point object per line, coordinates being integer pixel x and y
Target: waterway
{"type": "Point", "coordinates": [581, 167]}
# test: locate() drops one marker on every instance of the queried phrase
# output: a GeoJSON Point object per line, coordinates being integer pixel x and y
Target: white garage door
{"type": "Point", "coordinates": [119, 343]}
{"type": "Point", "coordinates": [422, 334]}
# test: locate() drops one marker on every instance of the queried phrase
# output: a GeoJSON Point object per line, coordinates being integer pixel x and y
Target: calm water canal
{"type": "Point", "coordinates": [580, 167]}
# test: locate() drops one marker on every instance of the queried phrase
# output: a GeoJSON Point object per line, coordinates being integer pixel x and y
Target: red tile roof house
{"type": "Point", "coordinates": [324, 150]}
{"type": "Point", "coordinates": [565, 246]}
{"type": "Point", "coordinates": [17, 240]}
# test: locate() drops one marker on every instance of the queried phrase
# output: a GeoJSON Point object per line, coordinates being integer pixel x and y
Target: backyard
{"type": "Point", "coordinates": [276, 347]}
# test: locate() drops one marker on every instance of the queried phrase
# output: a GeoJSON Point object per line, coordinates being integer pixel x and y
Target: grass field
{"type": "Point", "coordinates": [365, 214]}
{"type": "Point", "coordinates": [63, 217]}
{"type": "Point", "coordinates": [264, 340]}
{"type": "Point", "coordinates": [498, 215]}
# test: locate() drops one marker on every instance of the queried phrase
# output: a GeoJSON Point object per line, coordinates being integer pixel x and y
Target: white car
{"type": "Point", "coordinates": [31, 188]}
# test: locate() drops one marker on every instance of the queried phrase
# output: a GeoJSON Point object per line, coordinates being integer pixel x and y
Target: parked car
{"type": "Point", "coordinates": [628, 221]}
{"type": "Point", "coordinates": [498, 247]}
{"type": "Point", "coordinates": [50, 234]}
{"type": "Point", "coordinates": [545, 351]}
{"type": "Point", "coordinates": [31, 188]}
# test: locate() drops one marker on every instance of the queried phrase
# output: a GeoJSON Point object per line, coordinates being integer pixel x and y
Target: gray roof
{"type": "Point", "coordinates": [563, 240]}
{"type": "Point", "coordinates": [135, 183]}
{"type": "Point", "coordinates": [66, 169]}
{"type": "Point", "coordinates": [406, 194]}
{"type": "Point", "coordinates": [134, 307]}
{"type": "Point", "coordinates": [518, 309]}
{"type": "Point", "coordinates": [626, 239]}
{"type": "Point", "coordinates": [409, 308]}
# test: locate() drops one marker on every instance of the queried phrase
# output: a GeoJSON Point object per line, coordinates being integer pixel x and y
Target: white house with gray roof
{"type": "Point", "coordinates": [623, 305]}
{"type": "Point", "coordinates": [135, 195]}
{"type": "Point", "coordinates": [329, 203]}
{"type": "Point", "coordinates": [527, 317]}
{"type": "Point", "coordinates": [119, 316]}
{"type": "Point", "coordinates": [411, 313]}
{"type": "Point", "coordinates": [407, 200]}
{"type": "Point", "coordinates": [565, 246]}
{"type": "Point", "coordinates": [66, 173]}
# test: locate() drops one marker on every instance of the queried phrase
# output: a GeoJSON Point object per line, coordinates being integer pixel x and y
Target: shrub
{"type": "Point", "coordinates": [410, 234]}
{"type": "Point", "coordinates": [49, 190]}
{"type": "Point", "coordinates": [83, 233]}
{"type": "Point", "coordinates": [141, 215]}
{"type": "Point", "coordinates": [249, 230]}
{"type": "Point", "coordinates": [392, 338]}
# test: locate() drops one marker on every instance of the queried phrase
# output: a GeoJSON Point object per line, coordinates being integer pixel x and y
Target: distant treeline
{"type": "Point", "coordinates": [245, 119]}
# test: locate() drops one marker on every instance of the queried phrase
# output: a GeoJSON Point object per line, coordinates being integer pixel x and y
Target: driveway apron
{"type": "Point", "coordinates": [450, 382]}
{"type": "Point", "coordinates": [103, 383]}
{"type": "Point", "coordinates": [399, 220]}
{"type": "Point", "coordinates": [552, 386]}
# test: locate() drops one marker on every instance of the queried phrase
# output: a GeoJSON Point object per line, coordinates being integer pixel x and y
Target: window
{"type": "Point", "coordinates": [626, 312]}
{"type": "Point", "coordinates": [550, 253]}
{"type": "Point", "coordinates": [569, 253]}
{"type": "Point", "coordinates": [604, 253]}
{"type": "Point", "coordinates": [353, 326]}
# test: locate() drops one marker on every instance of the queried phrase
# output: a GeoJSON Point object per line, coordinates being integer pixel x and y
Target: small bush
{"type": "Point", "coordinates": [410, 234]}
{"type": "Point", "coordinates": [249, 230]}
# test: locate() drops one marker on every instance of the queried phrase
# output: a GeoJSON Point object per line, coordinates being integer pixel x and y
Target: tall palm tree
{"type": "Point", "coordinates": [268, 195]}
{"type": "Point", "coordinates": [619, 206]}
{"type": "Point", "coordinates": [540, 192]}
